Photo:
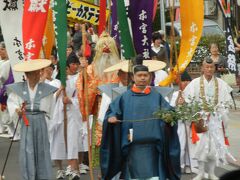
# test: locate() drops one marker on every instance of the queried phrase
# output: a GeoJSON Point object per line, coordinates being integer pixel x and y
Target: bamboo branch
{"type": "Point", "coordinates": [84, 38]}
{"type": "Point", "coordinates": [173, 45]}
{"type": "Point", "coordinates": [65, 121]}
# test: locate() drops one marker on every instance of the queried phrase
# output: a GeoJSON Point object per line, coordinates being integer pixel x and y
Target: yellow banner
{"type": "Point", "coordinates": [192, 15]}
{"type": "Point", "coordinates": [82, 11]}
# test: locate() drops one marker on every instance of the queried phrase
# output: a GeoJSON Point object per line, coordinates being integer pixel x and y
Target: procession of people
{"type": "Point", "coordinates": [106, 104]}
{"type": "Point", "coordinates": [125, 137]}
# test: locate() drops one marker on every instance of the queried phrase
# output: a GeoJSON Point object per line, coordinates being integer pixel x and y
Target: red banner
{"type": "Point", "coordinates": [34, 20]}
{"type": "Point", "coordinates": [155, 4]}
{"type": "Point", "coordinates": [102, 17]}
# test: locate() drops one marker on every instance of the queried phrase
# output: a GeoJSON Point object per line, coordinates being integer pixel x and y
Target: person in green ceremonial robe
{"type": "Point", "coordinates": [136, 143]}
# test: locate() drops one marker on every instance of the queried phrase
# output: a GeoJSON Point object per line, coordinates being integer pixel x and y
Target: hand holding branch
{"type": "Point", "coordinates": [113, 120]}
{"type": "Point", "coordinates": [180, 100]}
{"type": "Point", "coordinates": [66, 100]}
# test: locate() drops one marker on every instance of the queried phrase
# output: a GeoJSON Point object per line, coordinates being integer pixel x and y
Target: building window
{"type": "Point", "coordinates": [210, 9]}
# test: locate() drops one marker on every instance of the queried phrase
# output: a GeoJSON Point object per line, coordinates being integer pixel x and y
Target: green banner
{"type": "Point", "coordinates": [127, 47]}
{"type": "Point", "coordinates": [60, 26]}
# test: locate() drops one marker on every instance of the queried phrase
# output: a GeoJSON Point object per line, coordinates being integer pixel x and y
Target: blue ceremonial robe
{"type": "Point", "coordinates": [155, 149]}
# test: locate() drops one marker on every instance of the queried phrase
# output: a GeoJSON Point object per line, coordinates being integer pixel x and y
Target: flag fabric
{"type": "Point", "coordinates": [84, 11]}
{"type": "Point", "coordinates": [11, 22]}
{"type": "Point", "coordinates": [177, 14]}
{"type": "Point", "coordinates": [225, 7]}
{"type": "Point", "coordinates": [141, 14]}
{"type": "Point", "coordinates": [127, 47]}
{"type": "Point", "coordinates": [60, 26]}
{"type": "Point", "coordinates": [48, 38]}
{"type": "Point", "coordinates": [155, 4]}
{"type": "Point", "coordinates": [231, 53]}
{"type": "Point", "coordinates": [91, 1]}
{"type": "Point", "coordinates": [115, 25]}
{"type": "Point", "coordinates": [34, 21]}
{"type": "Point", "coordinates": [102, 17]}
{"type": "Point", "coordinates": [192, 15]}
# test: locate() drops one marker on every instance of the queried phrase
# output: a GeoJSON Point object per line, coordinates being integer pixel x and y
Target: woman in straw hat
{"type": "Point", "coordinates": [32, 102]}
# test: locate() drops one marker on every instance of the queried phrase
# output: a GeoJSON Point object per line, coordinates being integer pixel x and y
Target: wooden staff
{"type": "Point", "coordinates": [172, 35]}
{"type": "Point", "coordinates": [179, 78]}
{"type": "Point", "coordinates": [2, 177]}
{"type": "Point", "coordinates": [65, 121]}
{"type": "Point", "coordinates": [43, 51]}
{"type": "Point", "coordinates": [173, 45]}
{"type": "Point", "coordinates": [109, 17]}
{"type": "Point", "coordinates": [85, 83]}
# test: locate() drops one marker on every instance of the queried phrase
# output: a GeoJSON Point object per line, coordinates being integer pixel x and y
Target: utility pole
{"type": "Point", "coordinates": [162, 15]}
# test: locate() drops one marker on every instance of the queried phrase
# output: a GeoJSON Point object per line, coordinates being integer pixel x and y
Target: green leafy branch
{"type": "Point", "coordinates": [192, 111]}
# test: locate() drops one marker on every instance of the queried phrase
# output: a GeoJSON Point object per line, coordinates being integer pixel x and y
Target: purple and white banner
{"type": "Point", "coordinates": [115, 24]}
{"type": "Point", "coordinates": [11, 12]}
{"type": "Point", "coordinates": [140, 13]}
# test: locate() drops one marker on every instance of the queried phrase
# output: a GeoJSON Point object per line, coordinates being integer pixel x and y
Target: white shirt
{"type": "Point", "coordinates": [160, 76]}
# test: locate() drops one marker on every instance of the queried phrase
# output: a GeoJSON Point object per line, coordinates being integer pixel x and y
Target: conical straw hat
{"type": "Point", "coordinates": [117, 66]}
{"type": "Point", "coordinates": [31, 65]}
{"type": "Point", "coordinates": [153, 65]}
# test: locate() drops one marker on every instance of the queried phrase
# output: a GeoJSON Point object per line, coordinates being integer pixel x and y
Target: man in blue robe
{"type": "Point", "coordinates": [134, 142]}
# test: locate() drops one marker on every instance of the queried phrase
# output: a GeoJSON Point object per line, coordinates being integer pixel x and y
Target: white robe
{"type": "Point", "coordinates": [105, 102]}
{"type": "Point", "coordinates": [5, 119]}
{"type": "Point", "coordinates": [160, 76]}
{"type": "Point", "coordinates": [55, 72]}
{"type": "Point", "coordinates": [211, 144]}
{"type": "Point", "coordinates": [76, 129]}
{"type": "Point", "coordinates": [55, 82]}
{"type": "Point", "coordinates": [4, 71]}
{"type": "Point", "coordinates": [184, 138]}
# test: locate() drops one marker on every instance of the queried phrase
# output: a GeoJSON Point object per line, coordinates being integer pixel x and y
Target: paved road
{"type": "Point", "coordinates": [12, 169]}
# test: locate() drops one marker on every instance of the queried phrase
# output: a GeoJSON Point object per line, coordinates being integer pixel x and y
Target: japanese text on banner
{"type": "Point", "coordinates": [83, 11]}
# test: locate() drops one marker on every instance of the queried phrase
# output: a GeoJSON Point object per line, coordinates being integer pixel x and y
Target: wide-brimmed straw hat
{"type": "Point", "coordinates": [31, 65]}
{"type": "Point", "coordinates": [153, 65]}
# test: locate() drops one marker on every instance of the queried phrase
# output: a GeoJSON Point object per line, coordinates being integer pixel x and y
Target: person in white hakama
{"type": "Point", "coordinates": [46, 77]}
{"type": "Point", "coordinates": [4, 115]}
{"type": "Point", "coordinates": [6, 77]}
{"type": "Point", "coordinates": [211, 148]}
{"type": "Point", "coordinates": [76, 132]}
{"type": "Point", "coordinates": [183, 127]}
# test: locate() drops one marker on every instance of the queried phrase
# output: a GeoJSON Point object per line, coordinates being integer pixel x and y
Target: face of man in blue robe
{"type": "Point", "coordinates": [141, 78]}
